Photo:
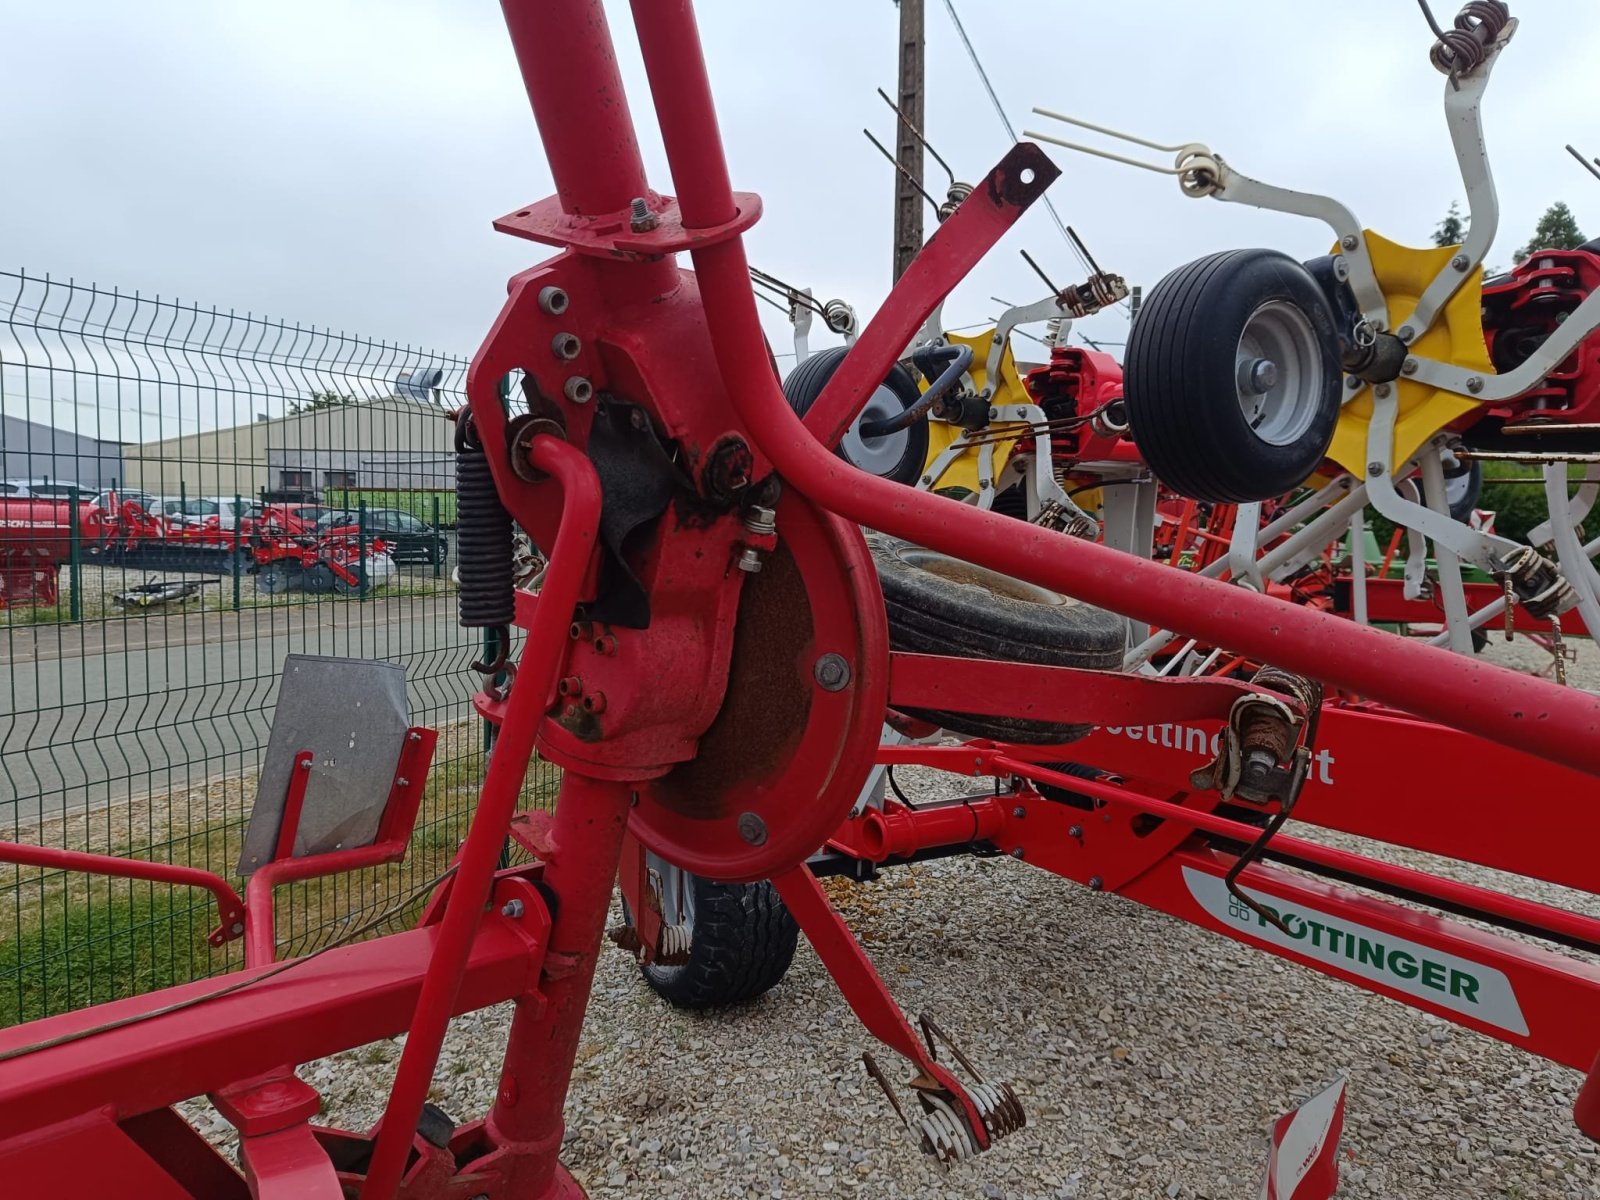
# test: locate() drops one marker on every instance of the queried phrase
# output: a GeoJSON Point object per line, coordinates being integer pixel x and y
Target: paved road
{"type": "Point", "coordinates": [109, 709]}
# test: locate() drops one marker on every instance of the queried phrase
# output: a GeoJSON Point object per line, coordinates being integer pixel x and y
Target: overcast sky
{"type": "Point", "coordinates": [339, 161]}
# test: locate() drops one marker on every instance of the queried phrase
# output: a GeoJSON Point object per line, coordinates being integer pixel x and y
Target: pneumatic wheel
{"type": "Point", "coordinates": [1233, 378]}
{"type": "Point", "coordinates": [741, 942]}
{"type": "Point", "coordinates": [898, 456]}
{"type": "Point", "coordinates": [937, 604]}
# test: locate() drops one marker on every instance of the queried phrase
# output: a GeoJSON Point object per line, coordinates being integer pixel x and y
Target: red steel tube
{"type": "Point", "coordinates": [260, 919]}
{"type": "Point", "coordinates": [230, 908]}
{"type": "Point", "coordinates": [1557, 723]}
{"type": "Point", "coordinates": [1560, 921]}
{"type": "Point", "coordinates": [569, 69]}
{"type": "Point", "coordinates": [896, 832]}
{"type": "Point", "coordinates": [542, 655]}
{"type": "Point", "coordinates": [586, 831]}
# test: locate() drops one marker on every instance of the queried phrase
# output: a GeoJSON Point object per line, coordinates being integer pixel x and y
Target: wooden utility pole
{"type": "Point", "coordinates": [908, 151]}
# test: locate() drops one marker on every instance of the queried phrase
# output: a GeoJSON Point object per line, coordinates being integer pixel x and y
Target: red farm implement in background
{"type": "Point", "coordinates": [35, 539]}
{"type": "Point", "coordinates": [716, 642]}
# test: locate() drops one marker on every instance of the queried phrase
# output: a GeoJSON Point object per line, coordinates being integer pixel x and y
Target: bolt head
{"type": "Point", "coordinates": [1261, 376]}
{"type": "Point", "coordinates": [750, 561]}
{"type": "Point", "coordinates": [752, 829]}
{"type": "Point", "coordinates": [1075, 831]}
{"type": "Point", "coordinates": [1096, 883]}
{"type": "Point", "coordinates": [1019, 812]}
{"type": "Point", "coordinates": [1354, 382]}
{"type": "Point", "coordinates": [832, 672]}
{"type": "Point", "coordinates": [1475, 385]}
{"type": "Point", "coordinates": [1349, 241]}
{"type": "Point", "coordinates": [1409, 367]}
{"type": "Point", "coordinates": [512, 909]}
{"type": "Point", "coordinates": [1341, 268]}
{"type": "Point", "coordinates": [1405, 333]}
{"type": "Point", "coordinates": [1374, 469]}
{"type": "Point", "coordinates": [1459, 262]}
{"type": "Point", "coordinates": [553, 300]}
{"type": "Point", "coordinates": [1019, 852]}
{"type": "Point", "coordinates": [1382, 391]}
{"type": "Point", "coordinates": [578, 390]}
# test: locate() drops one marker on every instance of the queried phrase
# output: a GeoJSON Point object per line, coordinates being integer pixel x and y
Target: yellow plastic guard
{"type": "Point", "coordinates": [1457, 338]}
{"type": "Point", "coordinates": [963, 472]}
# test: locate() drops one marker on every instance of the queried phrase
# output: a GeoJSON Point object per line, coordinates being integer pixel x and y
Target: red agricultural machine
{"type": "Point", "coordinates": [730, 609]}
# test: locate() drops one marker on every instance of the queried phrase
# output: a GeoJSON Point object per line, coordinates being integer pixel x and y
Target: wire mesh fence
{"type": "Point", "coordinates": [186, 496]}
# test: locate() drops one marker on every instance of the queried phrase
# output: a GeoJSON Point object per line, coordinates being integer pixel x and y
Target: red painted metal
{"type": "Point", "coordinates": [502, 787]}
{"type": "Point", "coordinates": [863, 989]}
{"type": "Point", "coordinates": [230, 908]}
{"type": "Point", "coordinates": [1493, 702]}
{"type": "Point", "coordinates": [1065, 694]}
{"type": "Point", "coordinates": [1586, 1111]}
{"type": "Point", "coordinates": [394, 836]}
{"type": "Point", "coordinates": [1386, 603]}
{"type": "Point", "coordinates": [293, 804]}
{"type": "Point", "coordinates": [896, 831]}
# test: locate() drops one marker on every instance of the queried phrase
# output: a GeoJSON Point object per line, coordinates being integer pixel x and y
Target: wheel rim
{"type": "Point", "coordinates": [879, 455]}
{"type": "Point", "coordinates": [1279, 370]}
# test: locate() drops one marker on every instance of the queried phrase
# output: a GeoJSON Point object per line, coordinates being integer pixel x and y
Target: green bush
{"type": "Point", "coordinates": [1517, 507]}
{"type": "Point", "coordinates": [418, 503]}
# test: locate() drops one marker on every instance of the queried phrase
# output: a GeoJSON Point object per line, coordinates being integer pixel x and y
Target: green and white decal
{"type": "Point", "coordinates": [1434, 976]}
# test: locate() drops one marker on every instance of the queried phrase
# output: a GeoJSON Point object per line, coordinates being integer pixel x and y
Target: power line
{"type": "Point", "coordinates": [1011, 131]}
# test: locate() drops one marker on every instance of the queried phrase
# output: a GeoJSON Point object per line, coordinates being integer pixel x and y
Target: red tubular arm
{"type": "Point", "coordinates": [1501, 705]}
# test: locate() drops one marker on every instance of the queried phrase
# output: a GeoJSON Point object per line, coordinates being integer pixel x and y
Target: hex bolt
{"type": "Point", "coordinates": [595, 702]}
{"type": "Point", "coordinates": [640, 218]}
{"type": "Point", "coordinates": [760, 519]}
{"type": "Point", "coordinates": [752, 829]}
{"type": "Point", "coordinates": [1019, 852]}
{"type": "Point", "coordinates": [1382, 391]}
{"type": "Point", "coordinates": [402, 781]}
{"type": "Point", "coordinates": [566, 346]}
{"type": "Point", "coordinates": [994, 414]}
{"type": "Point", "coordinates": [750, 561]}
{"type": "Point", "coordinates": [1405, 333]}
{"type": "Point", "coordinates": [1096, 883]}
{"type": "Point", "coordinates": [1475, 385]}
{"type": "Point", "coordinates": [305, 764]}
{"type": "Point", "coordinates": [413, 736]}
{"type": "Point", "coordinates": [927, 479]}
{"type": "Point", "coordinates": [1353, 382]}
{"type": "Point", "coordinates": [570, 713]}
{"type": "Point", "coordinates": [553, 300]}
{"type": "Point", "coordinates": [578, 389]}
{"type": "Point", "coordinates": [1019, 812]}
{"type": "Point", "coordinates": [1374, 469]}
{"type": "Point", "coordinates": [512, 909]}
{"type": "Point", "coordinates": [237, 927]}
{"type": "Point", "coordinates": [832, 672]}
{"type": "Point", "coordinates": [1460, 262]}
{"type": "Point", "coordinates": [1409, 367]}
{"type": "Point", "coordinates": [1349, 241]}
{"type": "Point", "coordinates": [1075, 831]}
{"type": "Point", "coordinates": [570, 686]}
{"type": "Point", "coordinates": [985, 484]}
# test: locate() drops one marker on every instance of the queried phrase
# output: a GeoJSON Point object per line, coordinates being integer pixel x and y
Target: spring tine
{"type": "Point", "coordinates": [906, 175]}
{"type": "Point", "coordinates": [933, 1031]}
{"type": "Point", "coordinates": [917, 133]}
{"type": "Point", "coordinates": [1583, 162]}
{"type": "Point", "coordinates": [927, 1033]}
{"type": "Point", "coordinates": [876, 1072]}
{"type": "Point", "coordinates": [1039, 271]}
{"type": "Point", "coordinates": [1084, 250]}
{"type": "Point", "coordinates": [1109, 132]}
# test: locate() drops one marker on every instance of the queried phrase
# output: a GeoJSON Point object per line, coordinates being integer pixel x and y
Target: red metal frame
{"type": "Point", "coordinates": [95, 1088]}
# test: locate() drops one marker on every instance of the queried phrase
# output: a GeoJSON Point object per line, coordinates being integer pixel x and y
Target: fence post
{"type": "Point", "coordinates": [74, 558]}
{"type": "Point", "coordinates": [440, 541]}
{"type": "Point", "coordinates": [361, 549]}
{"type": "Point", "coordinates": [237, 524]}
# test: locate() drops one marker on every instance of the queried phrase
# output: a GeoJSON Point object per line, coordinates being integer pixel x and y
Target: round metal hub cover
{"type": "Point", "coordinates": [798, 730]}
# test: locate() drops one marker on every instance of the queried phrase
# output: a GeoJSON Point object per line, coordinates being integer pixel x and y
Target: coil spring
{"type": "Point", "coordinates": [672, 949]}
{"type": "Point", "coordinates": [527, 561]}
{"type": "Point", "coordinates": [944, 1131]}
{"type": "Point", "coordinates": [838, 316]}
{"type": "Point", "coordinates": [1464, 48]}
{"type": "Point", "coordinates": [953, 198]}
{"type": "Point", "coordinates": [1538, 583]}
{"type": "Point", "coordinates": [486, 554]}
{"type": "Point", "coordinates": [1000, 1109]}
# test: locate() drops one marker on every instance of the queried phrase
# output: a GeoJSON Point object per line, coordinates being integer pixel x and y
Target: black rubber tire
{"type": "Point", "coordinates": [964, 611]}
{"type": "Point", "coordinates": [1179, 374]}
{"type": "Point", "coordinates": [741, 947]}
{"type": "Point", "coordinates": [805, 384]}
{"type": "Point", "coordinates": [1461, 508]}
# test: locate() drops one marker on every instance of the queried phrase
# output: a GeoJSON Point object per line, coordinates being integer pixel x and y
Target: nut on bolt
{"type": "Point", "coordinates": [578, 389]}
{"type": "Point", "coordinates": [752, 829]}
{"type": "Point", "coordinates": [750, 561]}
{"type": "Point", "coordinates": [832, 672]}
{"type": "Point", "coordinates": [1475, 385]}
{"type": "Point", "coordinates": [640, 218]}
{"type": "Point", "coordinates": [512, 909]}
{"type": "Point", "coordinates": [1349, 241]}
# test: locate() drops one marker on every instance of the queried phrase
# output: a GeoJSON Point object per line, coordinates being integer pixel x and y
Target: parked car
{"type": "Point", "coordinates": [42, 489]}
{"type": "Point", "coordinates": [407, 538]}
{"type": "Point", "coordinates": [294, 518]}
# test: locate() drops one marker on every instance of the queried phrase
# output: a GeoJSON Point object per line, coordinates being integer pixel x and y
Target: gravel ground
{"type": "Point", "coordinates": [1151, 1058]}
